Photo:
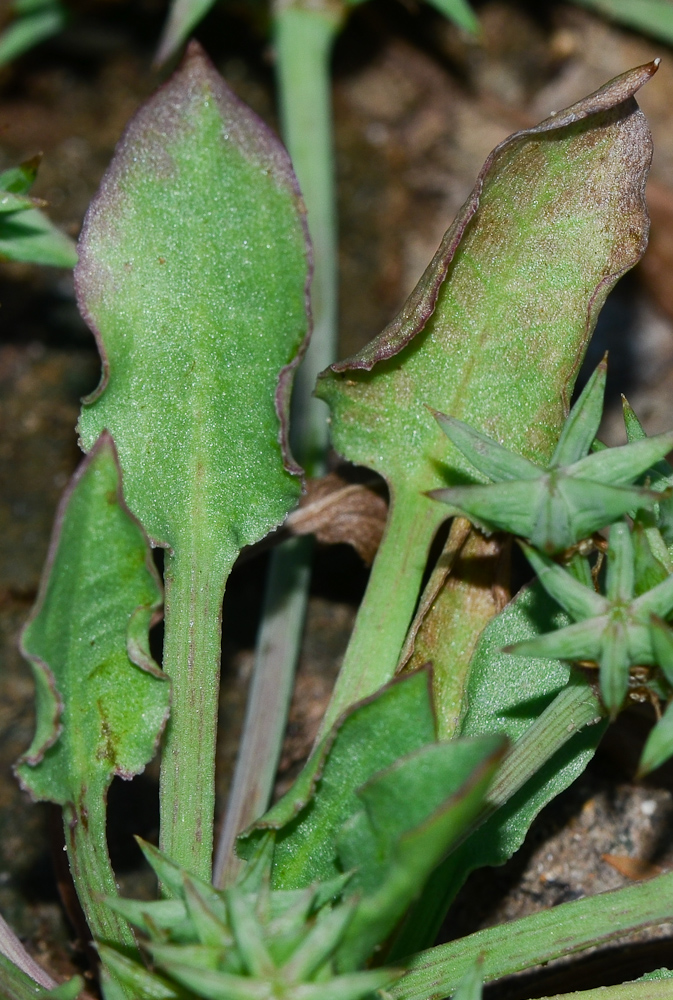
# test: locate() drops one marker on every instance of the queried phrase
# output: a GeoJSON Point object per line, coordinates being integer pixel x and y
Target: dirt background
{"type": "Point", "coordinates": [417, 109]}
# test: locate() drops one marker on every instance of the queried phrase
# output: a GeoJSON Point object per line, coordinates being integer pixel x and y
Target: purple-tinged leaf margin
{"type": "Point", "coordinates": [421, 303]}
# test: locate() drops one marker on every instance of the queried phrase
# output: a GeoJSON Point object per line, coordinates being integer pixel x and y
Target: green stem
{"type": "Point", "coordinates": [522, 944]}
{"type": "Point", "coordinates": [86, 844]}
{"type": "Point", "coordinates": [278, 643]}
{"type": "Point", "coordinates": [304, 40]}
{"type": "Point", "coordinates": [575, 707]}
{"type": "Point", "coordinates": [193, 617]}
{"type": "Point", "coordinates": [388, 606]}
{"type": "Point", "coordinates": [656, 989]}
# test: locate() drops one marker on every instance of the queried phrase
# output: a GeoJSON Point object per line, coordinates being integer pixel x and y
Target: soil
{"type": "Point", "coordinates": [417, 109]}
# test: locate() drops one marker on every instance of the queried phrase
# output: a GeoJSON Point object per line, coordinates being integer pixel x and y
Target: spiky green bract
{"type": "Point", "coordinates": [659, 478]}
{"type": "Point", "coordinates": [102, 702]}
{"type": "Point", "coordinates": [384, 801]}
{"type": "Point", "coordinates": [249, 942]}
{"type": "Point", "coordinates": [558, 505]}
{"type": "Point", "coordinates": [254, 941]}
{"type": "Point", "coordinates": [659, 746]}
{"type": "Point", "coordinates": [26, 234]}
{"type": "Point", "coordinates": [616, 631]}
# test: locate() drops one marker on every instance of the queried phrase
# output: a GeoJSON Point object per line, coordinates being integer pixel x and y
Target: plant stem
{"type": "Point", "coordinates": [534, 940]}
{"type": "Point", "coordinates": [304, 39]}
{"type": "Point", "coordinates": [86, 843]}
{"type": "Point", "coordinates": [575, 707]}
{"type": "Point", "coordinates": [278, 643]}
{"type": "Point", "coordinates": [386, 611]}
{"type": "Point", "coordinates": [193, 617]}
{"type": "Point", "coordinates": [656, 989]}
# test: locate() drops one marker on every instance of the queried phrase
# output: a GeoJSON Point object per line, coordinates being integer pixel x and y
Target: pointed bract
{"type": "Point", "coordinates": [579, 601]}
{"type": "Point", "coordinates": [659, 746]}
{"type": "Point", "coordinates": [577, 495]}
{"type": "Point", "coordinates": [621, 632]}
{"type": "Point", "coordinates": [620, 574]}
{"type": "Point", "coordinates": [486, 455]}
{"type": "Point", "coordinates": [581, 641]}
{"type": "Point", "coordinates": [618, 466]}
{"type": "Point", "coordinates": [583, 421]}
{"type": "Point", "coordinates": [614, 659]}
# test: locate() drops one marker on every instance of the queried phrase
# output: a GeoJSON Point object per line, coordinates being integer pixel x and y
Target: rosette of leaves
{"type": "Point", "coordinates": [559, 505]}
{"type": "Point", "coordinates": [248, 942]}
{"type": "Point", "coordinates": [618, 631]}
{"type": "Point", "coordinates": [331, 868]}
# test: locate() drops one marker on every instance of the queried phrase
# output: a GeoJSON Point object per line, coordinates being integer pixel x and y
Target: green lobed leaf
{"type": "Point", "coordinates": [101, 700]}
{"type": "Point", "coordinates": [414, 813]}
{"type": "Point", "coordinates": [395, 722]}
{"type": "Point", "coordinates": [192, 274]}
{"type": "Point", "coordinates": [505, 694]}
{"type": "Point", "coordinates": [518, 279]}
{"type": "Point", "coordinates": [493, 333]}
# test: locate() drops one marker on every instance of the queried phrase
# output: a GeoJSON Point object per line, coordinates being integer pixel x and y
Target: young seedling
{"type": "Point", "coordinates": [615, 631]}
{"type": "Point", "coordinates": [193, 273]}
